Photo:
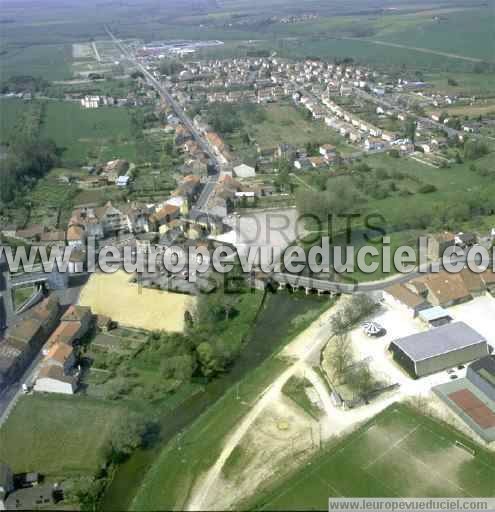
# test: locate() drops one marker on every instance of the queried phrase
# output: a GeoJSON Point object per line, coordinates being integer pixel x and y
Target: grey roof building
{"type": "Point", "coordinates": [6, 482]}
{"type": "Point", "coordinates": [438, 349]}
{"type": "Point", "coordinates": [482, 374]}
{"type": "Point", "coordinates": [6, 300]}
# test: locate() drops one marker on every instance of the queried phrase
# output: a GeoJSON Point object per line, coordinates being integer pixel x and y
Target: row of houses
{"type": "Point", "coordinates": [349, 125]}
{"type": "Point", "coordinates": [266, 94]}
{"type": "Point", "coordinates": [57, 373]}
{"type": "Point", "coordinates": [44, 329]}
{"type": "Point", "coordinates": [261, 72]}
{"type": "Point", "coordinates": [25, 338]}
{"type": "Point", "coordinates": [440, 289]}
{"type": "Point", "coordinates": [98, 101]}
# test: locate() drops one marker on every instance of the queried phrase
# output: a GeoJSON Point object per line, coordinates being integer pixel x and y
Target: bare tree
{"type": "Point", "coordinates": [341, 356]}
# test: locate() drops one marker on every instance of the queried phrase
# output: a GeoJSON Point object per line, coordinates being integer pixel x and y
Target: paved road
{"type": "Point", "coordinates": [324, 285]}
{"type": "Point", "coordinates": [10, 394]}
{"type": "Point", "coordinates": [179, 112]}
{"type": "Point", "coordinates": [28, 278]}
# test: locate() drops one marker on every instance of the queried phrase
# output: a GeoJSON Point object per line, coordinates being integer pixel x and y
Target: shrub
{"type": "Point", "coordinates": [427, 189]}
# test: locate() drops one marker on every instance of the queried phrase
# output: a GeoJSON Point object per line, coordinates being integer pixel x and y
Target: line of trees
{"type": "Point", "coordinates": [28, 156]}
{"type": "Point", "coordinates": [27, 160]}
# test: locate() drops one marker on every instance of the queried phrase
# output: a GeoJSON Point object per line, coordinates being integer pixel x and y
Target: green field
{"type": "Point", "coordinates": [453, 184]}
{"type": "Point", "coordinates": [11, 110]}
{"type": "Point", "coordinates": [284, 123]}
{"type": "Point", "coordinates": [89, 134]}
{"type": "Point", "coordinates": [468, 84]}
{"type": "Point", "coordinates": [48, 61]}
{"type": "Point", "coordinates": [57, 435]}
{"type": "Point", "coordinates": [406, 213]}
{"type": "Point", "coordinates": [473, 29]}
{"type": "Point", "coordinates": [400, 453]}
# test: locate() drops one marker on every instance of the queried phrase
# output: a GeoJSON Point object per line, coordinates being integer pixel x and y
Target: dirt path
{"type": "Point", "coordinates": [308, 343]}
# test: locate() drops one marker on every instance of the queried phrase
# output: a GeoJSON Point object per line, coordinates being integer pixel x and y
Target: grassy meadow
{"type": "Point", "coordinates": [57, 435]}
{"type": "Point", "coordinates": [89, 134]}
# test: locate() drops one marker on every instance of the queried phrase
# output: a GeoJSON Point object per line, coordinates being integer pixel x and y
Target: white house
{"type": "Point", "coordinates": [372, 143]}
{"type": "Point", "coordinates": [90, 102]}
{"type": "Point", "coordinates": [244, 171]}
{"type": "Point", "coordinates": [122, 181]}
{"type": "Point", "coordinates": [51, 379]}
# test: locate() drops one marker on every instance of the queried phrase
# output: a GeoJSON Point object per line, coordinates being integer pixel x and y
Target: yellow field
{"type": "Point", "coordinates": [127, 304]}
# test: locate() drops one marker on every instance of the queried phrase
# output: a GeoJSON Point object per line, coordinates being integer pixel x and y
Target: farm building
{"type": "Point", "coordinates": [435, 350]}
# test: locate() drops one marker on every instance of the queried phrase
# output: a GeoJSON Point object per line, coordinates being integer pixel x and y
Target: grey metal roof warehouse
{"type": "Point", "coordinates": [440, 340]}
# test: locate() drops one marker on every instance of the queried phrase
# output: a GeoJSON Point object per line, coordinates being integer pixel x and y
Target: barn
{"type": "Point", "coordinates": [435, 350]}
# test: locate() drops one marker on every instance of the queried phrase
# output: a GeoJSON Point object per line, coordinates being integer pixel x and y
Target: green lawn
{"type": "Point", "coordinates": [94, 135]}
{"type": "Point", "coordinates": [57, 435]}
{"type": "Point", "coordinates": [400, 453]}
{"type": "Point", "coordinates": [21, 295]}
{"type": "Point", "coordinates": [295, 389]}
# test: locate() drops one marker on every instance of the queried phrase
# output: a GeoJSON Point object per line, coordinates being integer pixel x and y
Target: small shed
{"type": "Point", "coordinates": [244, 171]}
{"type": "Point", "coordinates": [435, 316]}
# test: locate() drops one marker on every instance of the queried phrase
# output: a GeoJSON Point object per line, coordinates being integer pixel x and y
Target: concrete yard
{"type": "Point", "coordinates": [479, 313]}
{"type": "Point", "coordinates": [273, 229]}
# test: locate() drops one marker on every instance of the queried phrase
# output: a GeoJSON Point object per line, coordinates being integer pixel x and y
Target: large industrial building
{"type": "Point", "coordinates": [438, 349]}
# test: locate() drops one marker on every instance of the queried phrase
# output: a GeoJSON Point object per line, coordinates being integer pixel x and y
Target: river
{"type": "Point", "coordinates": [272, 324]}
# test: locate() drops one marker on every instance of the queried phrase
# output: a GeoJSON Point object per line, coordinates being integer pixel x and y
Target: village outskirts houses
{"type": "Point", "coordinates": [57, 373]}
{"type": "Point", "coordinates": [25, 338]}
{"type": "Point", "coordinates": [101, 222]}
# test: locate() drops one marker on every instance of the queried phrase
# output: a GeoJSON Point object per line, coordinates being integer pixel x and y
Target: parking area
{"type": "Point", "coordinates": [398, 323]}
{"type": "Point", "coordinates": [479, 313]}
{"type": "Point", "coordinates": [374, 349]}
